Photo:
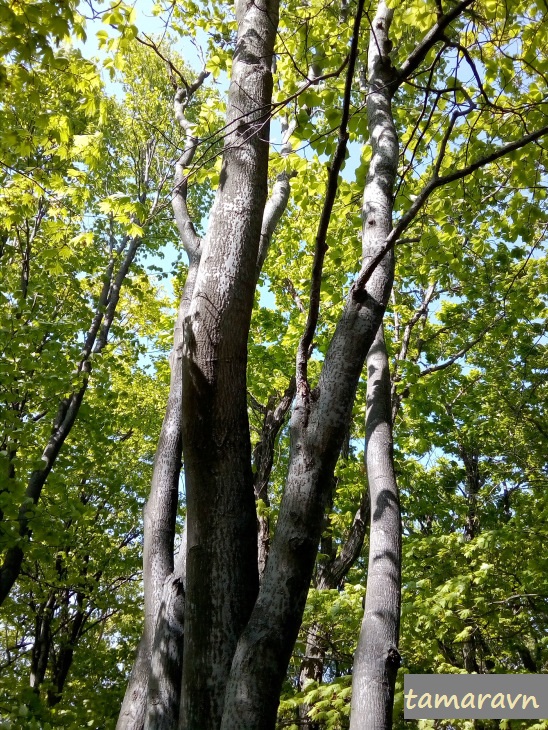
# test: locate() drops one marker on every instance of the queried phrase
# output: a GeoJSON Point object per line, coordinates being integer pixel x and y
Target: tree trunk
{"type": "Point", "coordinates": [42, 643]}
{"type": "Point", "coordinates": [164, 686]}
{"type": "Point", "coordinates": [222, 573]}
{"type": "Point", "coordinates": [65, 655]}
{"type": "Point", "coordinates": [161, 508]}
{"type": "Point", "coordinates": [377, 658]}
{"type": "Point", "coordinates": [318, 424]}
{"type": "Point", "coordinates": [159, 522]}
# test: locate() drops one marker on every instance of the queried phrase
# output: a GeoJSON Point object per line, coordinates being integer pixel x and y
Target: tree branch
{"type": "Point", "coordinates": [460, 353]}
{"type": "Point", "coordinates": [329, 200]}
{"type": "Point", "coordinates": [191, 241]}
{"type": "Point", "coordinates": [274, 209]}
{"type": "Point", "coordinates": [434, 183]}
{"type": "Point", "coordinates": [435, 34]}
{"type": "Point", "coordinates": [331, 575]}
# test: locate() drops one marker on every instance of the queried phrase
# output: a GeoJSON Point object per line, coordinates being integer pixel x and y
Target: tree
{"type": "Point", "coordinates": [238, 637]}
{"type": "Point", "coordinates": [73, 258]}
{"type": "Point", "coordinates": [447, 103]}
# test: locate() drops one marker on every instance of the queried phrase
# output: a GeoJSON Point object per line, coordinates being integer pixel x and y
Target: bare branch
{"type": "Point", "coordinates": [274, 209]}
{"type": "Point", "coordinates": [263, 455]}
{"type": "Point", "coordinates": [173, 70]}
{"type": "Point", "coordinates": [331, 192]}
{"type": "Point", "coordinates": [290, 287]}
{"type": "Point", "coordinates": [460, 353]}
{"type": "Point", "coordinates": [190, 239]}
{"type": "Point", "coordinates": [331, 575]}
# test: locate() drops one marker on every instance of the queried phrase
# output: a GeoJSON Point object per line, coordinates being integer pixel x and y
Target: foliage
{"type": "Point", "coordinates": [83, 175]}
{"type": "Point", "coordinates": [466, 330]}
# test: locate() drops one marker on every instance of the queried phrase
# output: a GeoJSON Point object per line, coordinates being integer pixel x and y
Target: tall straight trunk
{"type": "Point", "coordinates": [319, 421]}
{"type": "Point", "coordinates": [162, 584]}
{"type": "Point", "coordinates": [152, 697]}
{"type": "Point", "coordinates": [222, 573]}
{"type": "Point", "coordinates": [377, 659]}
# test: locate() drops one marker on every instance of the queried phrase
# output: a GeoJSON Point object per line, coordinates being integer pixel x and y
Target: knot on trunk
{"type": "Point", "coordinates": [393, 657]}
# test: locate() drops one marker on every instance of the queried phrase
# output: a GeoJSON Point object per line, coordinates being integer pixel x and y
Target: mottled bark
{"type": "Point", "coordinates": [273, 211]}
{"type": "Point", "coordinates": [164, 686]}
{"type": "Point", "coordinates": [153, 695]}
{"type": "Point", "coordinates": [159, 522]}
{"type": "Point", "coordinates": [159, 528]}
{"type": "Point", "coordinates": [377, 658]}
{"type": "Point", "coordinates": [222, 574]}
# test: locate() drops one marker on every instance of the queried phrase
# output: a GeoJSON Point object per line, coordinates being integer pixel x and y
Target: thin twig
{"type": "Point", "coordinates": [321, 236]}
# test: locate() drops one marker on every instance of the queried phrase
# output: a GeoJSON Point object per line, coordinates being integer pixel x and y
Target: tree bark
{"type": "Point", "coordinates": [164, 686]}
{"type": "Point", "coordinates": [318, 424]}
{"type": "Point", "coordinates": [153, 695]}
{"type": "Point", "coordinates": [161, 507]}
{"type": "Point", "coordinates": [377, 658]}
{"type": "Point", "coordinates": [222, 573]}
{"type": "Point", "coordinates": [159, 523]}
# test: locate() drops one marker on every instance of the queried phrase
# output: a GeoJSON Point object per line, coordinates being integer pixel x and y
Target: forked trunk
{"type": "Point", "coordinates": [319, 421]}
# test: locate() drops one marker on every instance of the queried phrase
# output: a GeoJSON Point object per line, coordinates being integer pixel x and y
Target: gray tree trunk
{"type": "Point", "coordinates": [164, 685]}
{"type": "Point", "coordinates": [222, 573]}
{"type": "Point", "coordinates": [318, 424]}
{"type": "Point", "coordinates": [161, 507]}
{"type": "Point", "coordinates": [377, 658]}
{"type": "Point", "coordinates": [159, 524]}
{"type": "Point", "coordinates": [236, 648]}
